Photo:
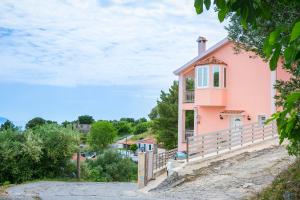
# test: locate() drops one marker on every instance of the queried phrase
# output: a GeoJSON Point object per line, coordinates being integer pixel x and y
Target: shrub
{"type": "Point", "coordinates": [19, 153]}
{"type": "Point", "coordinates": [110, 166]}
{"type": "Point", "coordinates": [36, 153]}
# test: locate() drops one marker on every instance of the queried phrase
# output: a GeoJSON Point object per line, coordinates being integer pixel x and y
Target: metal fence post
{"type": "Point", "coordinates": [187, 149]}
{"type": "Point", "coordinates": [241, 136]}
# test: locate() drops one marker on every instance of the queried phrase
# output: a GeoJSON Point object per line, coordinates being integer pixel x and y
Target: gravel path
{"type": "Point", "coordinates": [233, 178]}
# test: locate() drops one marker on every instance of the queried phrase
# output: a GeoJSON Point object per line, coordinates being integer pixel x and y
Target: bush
{"type": "Point", "coordinates": [140, 128]}
{"type": "Point", "coordinates": [102, 134]}
{"type": "Point", "coordinates": [59, 144]}
{"type": "Point", "coordinates": [44, 152]}
{"type": "Point", "coordinates": [110, 166]}
{"type": "Point", "coordinates": [19, 153]}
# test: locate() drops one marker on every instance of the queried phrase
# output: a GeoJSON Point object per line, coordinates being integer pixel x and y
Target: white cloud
{"type": "Point", "coordinates": [89, 42]}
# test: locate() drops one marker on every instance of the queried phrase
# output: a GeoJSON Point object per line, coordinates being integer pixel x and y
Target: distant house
{"type": "Point", "coordinates": [147, 144]}
{"type": "Point", "coordinates": [125, 144]}
{"type": "Point", "coordinates": [82, 128]}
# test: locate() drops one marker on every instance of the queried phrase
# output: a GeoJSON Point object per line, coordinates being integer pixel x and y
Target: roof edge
{"type": "Point", "coordinates": [208, 51]}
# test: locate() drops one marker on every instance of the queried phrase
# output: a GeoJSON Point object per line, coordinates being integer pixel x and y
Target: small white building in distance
{"type": "Point", "coordinates": [147, 144]}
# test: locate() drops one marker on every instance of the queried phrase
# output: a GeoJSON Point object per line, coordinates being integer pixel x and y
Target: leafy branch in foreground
{"type": "Point", "coordinates": [281, 41]}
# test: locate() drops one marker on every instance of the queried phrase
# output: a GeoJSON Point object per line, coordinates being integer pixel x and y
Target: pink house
{"type": "Point", "coordinates": [224, 90]}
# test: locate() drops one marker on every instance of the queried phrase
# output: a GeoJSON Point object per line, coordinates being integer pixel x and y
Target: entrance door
{"type": "Point", "coordinates": [236, 129]}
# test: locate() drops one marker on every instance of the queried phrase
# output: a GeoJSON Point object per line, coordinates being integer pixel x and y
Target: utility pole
{"type": "Point", "coordinates": [126, 147]}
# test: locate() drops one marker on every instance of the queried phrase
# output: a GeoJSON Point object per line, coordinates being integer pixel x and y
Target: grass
{"type": "Point", "coordinates": [285, 186]}
{"type": "Point", "coordinates": [147, 134]}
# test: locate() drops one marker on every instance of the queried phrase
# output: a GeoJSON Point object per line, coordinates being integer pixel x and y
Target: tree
{"type": "Point", "coordinates": [102, 134]}
{"type": "Point", "coordinates": [122, 127]}
{"type": "Point", "coordinates": [66, 123]}
{"type": "Point", "coordinates": [141, 120]}
{"type": "Point", "coordinates": [8, 125]}
{"type": "Point", "coordinates": [130, 120]}
{"type": "Point", "coordinates": [278, 25]}
{"type": "Point", "coordinates": [140, 128]}
{"type": "Point", "coordinates": [165, 117]}
{"type": "Point", "coordinates": [133, 147]}
{"type": "Point", "coordinates": [37, 121]}
{"type": "Point", "coordinates": [85, 119]}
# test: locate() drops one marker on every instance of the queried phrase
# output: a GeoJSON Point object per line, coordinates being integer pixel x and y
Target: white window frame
{"type": "Point", "coordinates": [208, 74]}
{"type": "Point", "coordinates": [213, 77]}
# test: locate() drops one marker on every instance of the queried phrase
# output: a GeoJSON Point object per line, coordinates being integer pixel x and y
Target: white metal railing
{"type": "Point", "coordinates": [189, 96]}
{"type": "Point", "coordinates": [228, 139]}
{"type": "Point", "coordinates": [161, 159]}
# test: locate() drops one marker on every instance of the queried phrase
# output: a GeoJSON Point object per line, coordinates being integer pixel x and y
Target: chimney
{"type": "Point", "coordinates": [201, 45]}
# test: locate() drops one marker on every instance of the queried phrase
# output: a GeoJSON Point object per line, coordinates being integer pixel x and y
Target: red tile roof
{"type": "Point", "coordinates": [129, 142]}
{"type": "Point", "coordinates": [147, 141]}
{"type": "Point", "coordinates": [210, 60]}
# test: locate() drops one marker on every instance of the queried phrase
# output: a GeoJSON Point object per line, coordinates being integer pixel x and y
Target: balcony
{"type": "Point", "coordinates": [189, 96]}
{"type": "Point", "coordinates": [210, 97]}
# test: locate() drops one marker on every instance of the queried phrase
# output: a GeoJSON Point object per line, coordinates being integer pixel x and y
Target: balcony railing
{"type": "Point", "coordinates": [189, 96]}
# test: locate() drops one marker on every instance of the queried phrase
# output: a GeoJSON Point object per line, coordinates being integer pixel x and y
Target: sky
{"type": "Point", "coordinates": [107, 58]}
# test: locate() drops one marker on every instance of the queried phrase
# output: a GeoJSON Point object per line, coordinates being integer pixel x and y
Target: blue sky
{"type": "Point", "coordinates": [110, 59]}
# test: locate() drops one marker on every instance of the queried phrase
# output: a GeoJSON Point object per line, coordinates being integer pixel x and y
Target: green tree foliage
{"type": "Point", "coordinates": [66, 124]}
{"type": "Point", "coordinates": [122, 127]}
{"type": "Point", "coordinates": [44, 151]}
{"type": "Point", "coordinates": [59, 144]}
{"type": "Point", "coordinates": [37, 121]}
{"type": "Point", "coordinates": [8, 125]}
{"type": "Point", "coordinates": [110, 166]}
{"type": "Point", "coordinates": [278, 24]}
{"type": "Point", "coordinates": [102, 134]}
{"type": "Point", "coordinates": [189, 119]}
{"type": "Point", "coordinates": [141, 120]}
{"type": "Point", "coordinates": [133, 147]}
{"type": "Point", "coordinates": [190, 84]}
{"type": "Point", "coordinates": [85, 119]}
{"type": "Point", "coordinates": [140, 128]}
{"type": "Point", "coordinates": [165, 117]}
{"type": "Point", "coordinates": [18, 154]}
{"type": "Point", "coordinates": [130, 120]}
